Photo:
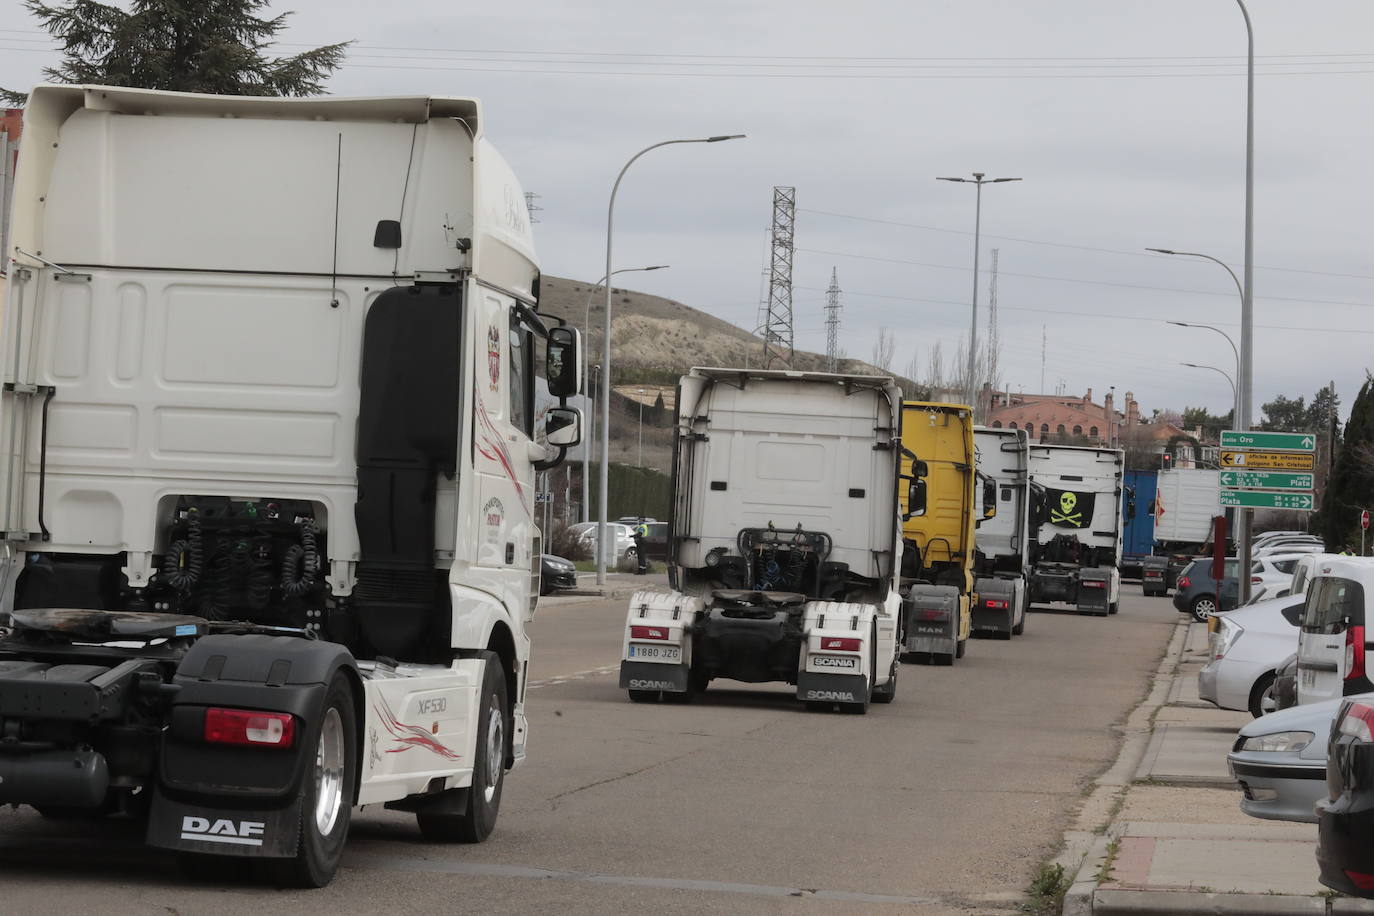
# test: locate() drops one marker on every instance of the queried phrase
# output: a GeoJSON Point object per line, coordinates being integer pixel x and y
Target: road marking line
{"type": "Point", "coordinates": [484, 870]}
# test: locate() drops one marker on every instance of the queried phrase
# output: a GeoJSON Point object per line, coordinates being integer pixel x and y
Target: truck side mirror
{"type": "Point", "coordinates": [563, 427]}
{"type": "Point", "coordinates": [563, 362]}
{"type": "Point", "coordinates": [916, 497]}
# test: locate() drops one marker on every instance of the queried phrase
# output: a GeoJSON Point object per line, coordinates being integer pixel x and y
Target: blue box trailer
{"type": "Point", "coordinates": [1138, 515]}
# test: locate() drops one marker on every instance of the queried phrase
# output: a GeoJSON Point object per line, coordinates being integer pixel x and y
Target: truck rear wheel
{"type": "Point", "coordinates": [478, 819]}
{"type": "Point", "coordinates": [327, 797]}
{"type": "Point", "coordinates": [645, 696]}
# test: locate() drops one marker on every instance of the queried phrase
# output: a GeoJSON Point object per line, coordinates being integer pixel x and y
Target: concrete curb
{"type": "Point", "coordinates": [1196, 903]}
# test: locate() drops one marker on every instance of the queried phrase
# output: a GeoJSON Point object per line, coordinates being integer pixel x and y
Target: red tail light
{"type": "Point", "coordinates": [247, 727]}
{"type": "Point", "coordinates": [1256, 579]}
{"type": "Point", "coordinates": [1093, 584]}
{"type": "Point", "coordinates": [996, 603]}
{"type": "Point", "coordinates": [1184, 582]}
{"type": "Point", "coordinates": [840, 644]}
{"type": "Point", "coordinates": [1354, 652]}
{"type": "Point", "coordinates": [1358, 722]}
{"type": "Point", "coordinates": [648, 632]}
{"type": "Point", "coordinates": [931, 613]}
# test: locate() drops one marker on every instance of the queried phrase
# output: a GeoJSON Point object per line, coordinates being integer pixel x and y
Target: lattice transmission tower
{"type": "Point", "coordinates": [832, 323]}
{"type": "Point", "coordinates": [777, 328]}
{"type": "Point", "coordinates": [532, 207]}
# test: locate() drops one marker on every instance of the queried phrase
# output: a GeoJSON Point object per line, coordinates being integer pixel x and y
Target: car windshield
{"type": "Point", "coordinates": [1331, 601]}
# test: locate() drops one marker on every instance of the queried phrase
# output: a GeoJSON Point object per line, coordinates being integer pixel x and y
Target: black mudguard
{"type": "Point", "coordinates": [219, 798]}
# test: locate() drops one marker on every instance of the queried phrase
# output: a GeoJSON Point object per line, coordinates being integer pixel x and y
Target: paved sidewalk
{"type": "Point", "coordinates": [618, 585]}
{"type": "Point", "coordinates": [1162, 831]}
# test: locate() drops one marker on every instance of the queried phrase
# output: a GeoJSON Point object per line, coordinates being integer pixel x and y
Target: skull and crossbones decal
{"type": "Point", "coordinates": [1066, 516]}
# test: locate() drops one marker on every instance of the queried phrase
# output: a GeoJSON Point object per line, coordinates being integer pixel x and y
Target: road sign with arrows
{"type": "Point", "coordinates": [1288, 442]}
{"type": "Point", "coordinates": [1266, 499]}
{"type": "Point", "coordinates": [1258, 467]}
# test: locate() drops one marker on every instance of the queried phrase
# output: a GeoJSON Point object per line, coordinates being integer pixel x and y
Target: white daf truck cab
{"type": "Point", "coordinates": [1001, 563]}
{"type": "Point", "coordinates": [785, 541]}
{"type": "Point", "coordinates": [1077, 525]}
{"type": "Point", "coordinates": [267, 462]}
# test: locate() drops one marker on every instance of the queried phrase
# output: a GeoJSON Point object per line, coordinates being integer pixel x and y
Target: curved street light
{"type": "Point", "coordinates": [586, 387]}
{"type": "Point", "coordinates": [1235, 400]}
{"type": "Point", "coordinates": [979, 181]}
{"type": "Point", "coordinates": [605, 475]}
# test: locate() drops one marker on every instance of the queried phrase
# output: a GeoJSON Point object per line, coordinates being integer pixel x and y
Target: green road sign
{"type": "Point", "coordinates": [1264, 499]}
{"type": "Point", "coordinates": [1272, 480]}
{"type": "Point", "coordinates": [1293, 442]}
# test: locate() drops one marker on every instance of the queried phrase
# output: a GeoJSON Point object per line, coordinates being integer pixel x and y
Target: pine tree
{"type": "Point", "coordinates": [214, 46]}
{"type": "Point", "coordinates": [1351, 487]}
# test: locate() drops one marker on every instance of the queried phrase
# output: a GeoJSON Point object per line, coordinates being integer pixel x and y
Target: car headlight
{"type": "Point", "coordinates": [1278, 742]}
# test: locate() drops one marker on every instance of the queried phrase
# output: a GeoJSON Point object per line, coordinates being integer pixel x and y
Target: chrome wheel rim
{"type": "Point", "coordinates": [1205, 607]}
{"type": "Point", "coordinates": [329, 772]}
{"type": "Point", "coordinates": [496, 744]}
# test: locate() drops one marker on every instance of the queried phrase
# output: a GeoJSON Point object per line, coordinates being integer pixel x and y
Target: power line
{"type": "Point", "coordinates": [1157, 289]}
{"type": "Point", "coordinates": [1026, 241]}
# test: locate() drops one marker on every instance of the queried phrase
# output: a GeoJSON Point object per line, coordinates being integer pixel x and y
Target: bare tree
{"type": "Point", "coordinates": [884, 349]}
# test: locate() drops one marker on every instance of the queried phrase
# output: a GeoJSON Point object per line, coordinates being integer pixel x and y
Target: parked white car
{"type": "Point", "coordinates": [1274, 570]}
{"type": "Point", "coordinates": [1333, 644]}
{"type": "Point", "coordinates": [624, 538]}
{"type": "Point", "coordinates": [1287, 547]}
{"type": "Point", "coordinates": [1247, 648]}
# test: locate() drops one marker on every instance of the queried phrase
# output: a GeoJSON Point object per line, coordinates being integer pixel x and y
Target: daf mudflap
{"type": "Point", "coordinates": [997, 605]}
{"type": "Point", "coordinates": [675, 645]}
{"type": "Point", "coordinates": [933, 615]}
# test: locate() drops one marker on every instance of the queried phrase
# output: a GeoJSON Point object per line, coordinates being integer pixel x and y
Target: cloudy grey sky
{"type": "Point", "coordinates": [1125, 120]}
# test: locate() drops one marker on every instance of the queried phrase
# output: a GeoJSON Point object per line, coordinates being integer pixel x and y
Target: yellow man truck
{"type": "Point", "coordinates": [937, 561]}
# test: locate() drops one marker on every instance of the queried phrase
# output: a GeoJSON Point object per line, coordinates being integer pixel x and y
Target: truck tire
{"type": "Point", "coordinates": [696, 684]}
{"type": "Point", "coordinates": [645, 696]}
{"type": "Point", "coordinates": [888, 692]}
{"type": "Point", "coordinates": [1020, 628]}
{"type": "Point", "coordinates": [960, 648]}
{"type": "Point", "coordinates": [327, 795]}
{"type": "Point", "coordinates": [1113, 607]}
{"type": "Point", "coordinates": [478, 819]}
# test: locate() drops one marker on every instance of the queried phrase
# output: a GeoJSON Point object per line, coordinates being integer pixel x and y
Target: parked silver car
{"type": "Point", "coordinates": [1279, 760]}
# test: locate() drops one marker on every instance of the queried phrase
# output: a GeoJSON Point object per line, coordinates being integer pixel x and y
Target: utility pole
{"type": "Point", "coordinates": [832, 323]}
{"type": "Point", "coordinates": [777, 328]}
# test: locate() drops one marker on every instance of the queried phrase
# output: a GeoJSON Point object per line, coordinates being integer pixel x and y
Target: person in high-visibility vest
{"type": "Point", "coordinates": [641, 532]}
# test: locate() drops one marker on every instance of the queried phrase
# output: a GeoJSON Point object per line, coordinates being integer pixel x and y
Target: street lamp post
{"type": "Point", "coordinates": [605, 475]}
{"type": "Point", "coordinates": [1235, 391]}
{"type": "Point", "coordinates": [1224, 374]}
{"type": "Point", "coordinates": [978, 180]}
{"type": "Point", "coordinates": [586, 368]}
{"type": "Point", "coordinates": [1246, 381]}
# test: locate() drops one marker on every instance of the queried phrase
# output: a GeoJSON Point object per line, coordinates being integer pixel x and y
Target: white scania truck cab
{"type": "Point", "coordinates": [267, 461]}
{"type": "Point", "coordinates": [1077, 526]}
{"type": "Point", "coordinates": [784, 545]}
{"type": "Point", "coordinates": [1001, 560]}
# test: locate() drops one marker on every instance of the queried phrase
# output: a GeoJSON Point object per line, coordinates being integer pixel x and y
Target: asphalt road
{"type": "Point", "coordinates": [943, 802]}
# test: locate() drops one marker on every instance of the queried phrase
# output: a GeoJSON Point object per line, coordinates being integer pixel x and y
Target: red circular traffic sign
{"type": "Point", "coordinates": [1364, 518]}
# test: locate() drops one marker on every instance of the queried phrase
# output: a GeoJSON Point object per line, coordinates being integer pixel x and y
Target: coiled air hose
{"type": "Point", "coordinates": [300, 567]}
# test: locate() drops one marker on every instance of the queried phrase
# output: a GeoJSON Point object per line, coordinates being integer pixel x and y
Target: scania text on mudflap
{"type": "Point", "coordinates": [937, 557]}
{"type": "Point", "coordinates": [1076, 526]}
{"type": "Point", "coordinates": [1002, 558]}
{"type": "Point", "coordinates": [784, 541]}
{"type": "Point", "coordinates": [268, 427]}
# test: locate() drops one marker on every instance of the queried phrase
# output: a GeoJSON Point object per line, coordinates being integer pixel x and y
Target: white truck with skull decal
{"type": "Point", "coordinates": [1076, 526]}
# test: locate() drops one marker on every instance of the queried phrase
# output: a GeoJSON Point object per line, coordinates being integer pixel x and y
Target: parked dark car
{"type": "Point", "coordinates": [656, 541]}
{"type": "Point", "coordinates": [1345, 818]}
{"type": "Point", "coordinates": [555, 572]}
{"type": "Point", "coordinates": [1197, 590]}
{"type": "Point", "coordinates": [1284, 690]}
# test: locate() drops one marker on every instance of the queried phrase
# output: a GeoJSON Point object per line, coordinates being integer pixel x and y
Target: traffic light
{"type": "Point", "coordinates": [1166, 461]}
